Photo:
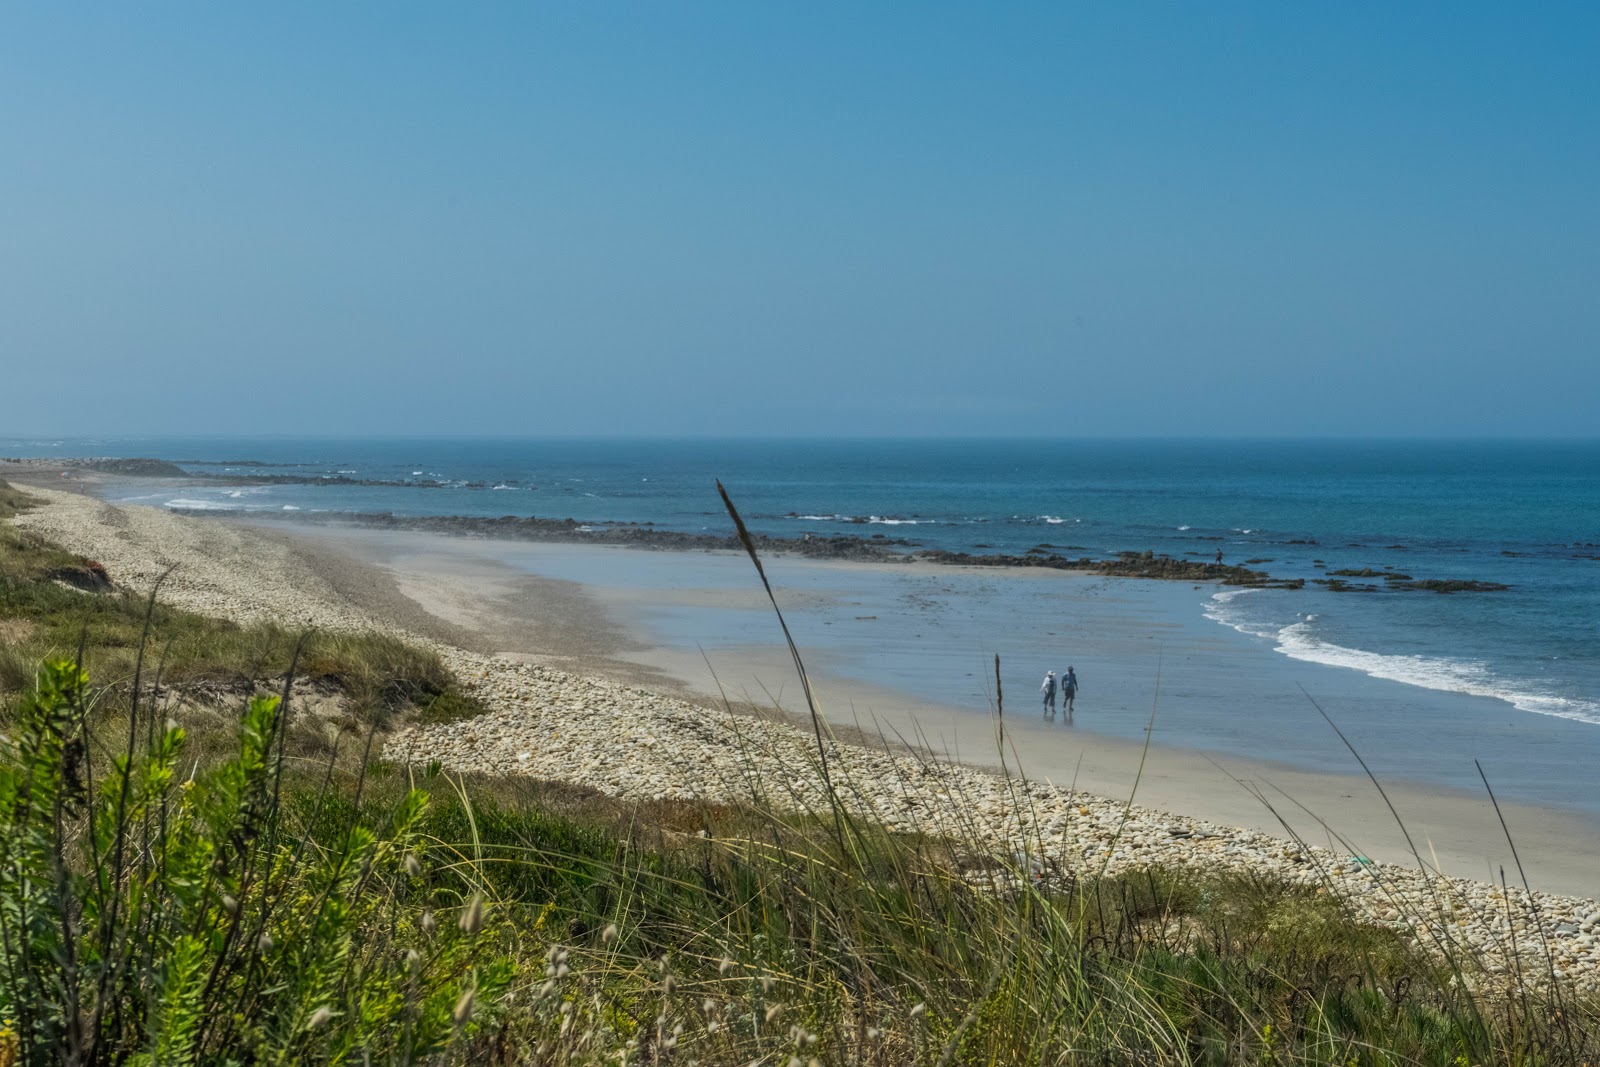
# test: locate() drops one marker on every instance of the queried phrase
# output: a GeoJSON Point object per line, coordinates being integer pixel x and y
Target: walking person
{"type": "Point", "coordinates": [1069, 689]}
{"type": "Point", "coordinates": [1049, 690]}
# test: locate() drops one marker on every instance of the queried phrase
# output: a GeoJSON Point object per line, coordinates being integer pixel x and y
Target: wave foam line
{"type": "Point", "coordinates": [1446, 675]}
{"type": "Point", "coordinates": [202, 505]}
{"type": "Point", "coordinates": [1472, 678]}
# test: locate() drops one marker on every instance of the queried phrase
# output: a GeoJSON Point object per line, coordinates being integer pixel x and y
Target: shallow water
{"type": "Point", "coordinates": [931, 633]}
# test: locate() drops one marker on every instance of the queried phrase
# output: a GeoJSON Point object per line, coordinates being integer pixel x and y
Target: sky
{"type": "Point", "coordinates": [794, 219]}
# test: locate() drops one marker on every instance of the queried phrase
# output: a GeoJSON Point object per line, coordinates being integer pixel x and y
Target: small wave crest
{"type": "Point", "coordinates": [201, 505]}
{"type": "Point", "coordinates": [1221, 610]}
{"type": "Point", "coordinates": [864, 520]}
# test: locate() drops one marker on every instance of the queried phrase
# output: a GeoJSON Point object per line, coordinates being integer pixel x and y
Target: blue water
{"type": "Point", "coordinates": [1526, 514]}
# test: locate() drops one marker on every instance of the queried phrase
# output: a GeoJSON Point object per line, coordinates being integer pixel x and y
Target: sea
{"type": "Point", "coordinates": [1524, 514]}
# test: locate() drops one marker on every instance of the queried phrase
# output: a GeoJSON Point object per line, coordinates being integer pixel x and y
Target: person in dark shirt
{"type": "Point", "coordinates": [1069, 689]}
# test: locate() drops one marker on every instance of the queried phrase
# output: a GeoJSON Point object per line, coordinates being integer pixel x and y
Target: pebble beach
{"type": "Point", "coordinates": [635, 743]}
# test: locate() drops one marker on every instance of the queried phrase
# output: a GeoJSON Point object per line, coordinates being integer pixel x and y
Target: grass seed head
{"type": "Point", "coordinates": [428, 922]}
{"type": "Point", "coordinates": [463, 1009]}
{"type": "Point", "coordinates": [319, 1018]}
{"type": "Point", "coordinates": [609, 934]}
{"type": "Point", "coordinates": [472, 918]}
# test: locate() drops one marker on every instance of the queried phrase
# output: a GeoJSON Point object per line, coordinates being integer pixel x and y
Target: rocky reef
{"type": "Point", "coordinates": [877, 548]}
{"type": "Point", "coordinates": [1450, 585]}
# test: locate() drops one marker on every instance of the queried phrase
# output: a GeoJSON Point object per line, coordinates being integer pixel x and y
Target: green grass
{"type": "Point", "coordinates": [1158, 967]}
{"type": "Point", "coordinates": [616, 932]}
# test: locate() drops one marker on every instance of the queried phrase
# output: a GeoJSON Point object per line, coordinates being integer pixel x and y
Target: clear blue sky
{"type": "Point", "coordinates": [800, 218]}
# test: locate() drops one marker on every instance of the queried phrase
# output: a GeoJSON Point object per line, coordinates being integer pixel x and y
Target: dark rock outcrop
{"type": "Point", "coordinates": [89, 575]}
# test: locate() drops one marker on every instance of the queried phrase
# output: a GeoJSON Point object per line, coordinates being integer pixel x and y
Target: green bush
{"type": "Point", "coordinates": [153, 918]}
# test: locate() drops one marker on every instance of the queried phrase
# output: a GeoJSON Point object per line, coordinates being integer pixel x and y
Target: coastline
{"type": "Point", "coordinates": [634, 740]}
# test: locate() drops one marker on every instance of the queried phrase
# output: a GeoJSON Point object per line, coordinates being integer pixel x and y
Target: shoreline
{"type": "Point", "coordinates": [1457, 826]}
{"type": "Point", "coordinates": [639, 743]}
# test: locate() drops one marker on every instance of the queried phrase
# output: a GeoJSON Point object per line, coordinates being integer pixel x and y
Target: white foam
{"type": "Point", "coordinates": [199, 505]}
{"type": "Point", "coordinates": [1219, 612]}
{"type": "Point", "coordinates": [290, 507]}
{"type": "Point", "coordinates": [1185, 527]}
{"type": "Point", "coordinates": [1446, 675]}
{"type": "Point", "coordinates": [1470, 677]}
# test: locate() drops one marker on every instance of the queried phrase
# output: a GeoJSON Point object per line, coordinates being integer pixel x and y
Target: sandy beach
{"type": "Point", "coordinates": [580, 692]}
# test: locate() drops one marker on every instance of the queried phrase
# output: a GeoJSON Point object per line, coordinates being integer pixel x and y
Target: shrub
{"type": "Point", "coordinates": [153, 919]}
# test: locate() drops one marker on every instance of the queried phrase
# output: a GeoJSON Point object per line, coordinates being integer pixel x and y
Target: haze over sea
{"type": "Point", "coordinates": [1514, 674]}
